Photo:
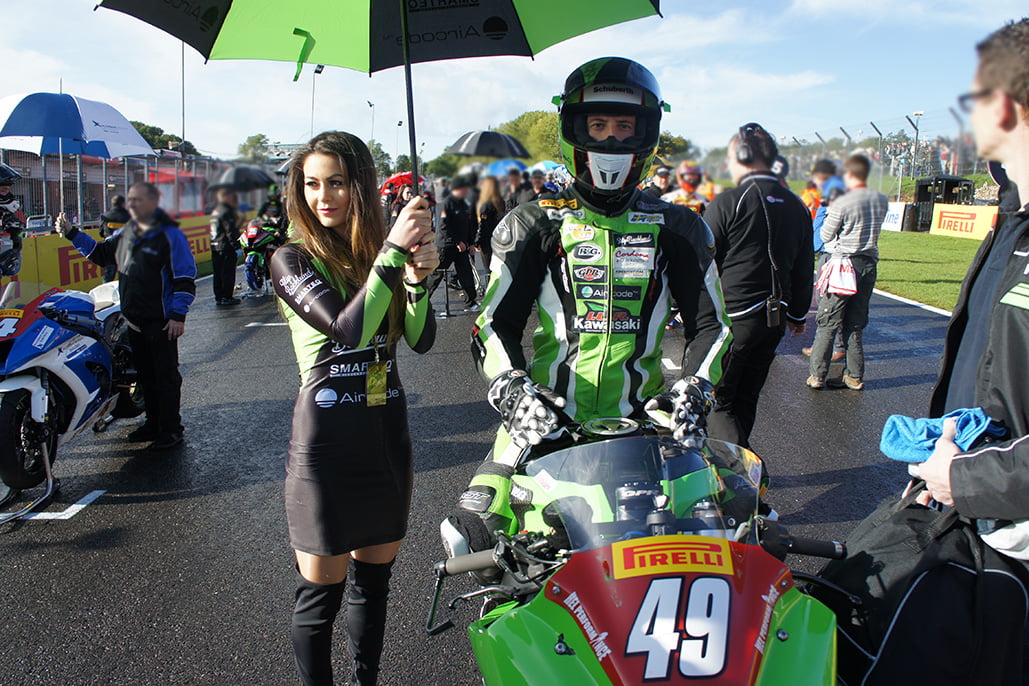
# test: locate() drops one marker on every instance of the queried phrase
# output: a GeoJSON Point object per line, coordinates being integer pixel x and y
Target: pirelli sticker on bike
{"type": "Point", "coordinates": [671, 555]}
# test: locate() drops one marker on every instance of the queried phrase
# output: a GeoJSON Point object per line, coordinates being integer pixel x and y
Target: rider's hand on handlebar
{"type": "Point", "coordinates": [684, 407]}
{"type": "Point", "coordinates": [413, 223]}
{"type": "Point", "coordinates": [530, 411]}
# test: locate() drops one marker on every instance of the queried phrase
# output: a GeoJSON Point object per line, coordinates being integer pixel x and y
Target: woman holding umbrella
{"type": "Point", "coordinates": [349, 296]}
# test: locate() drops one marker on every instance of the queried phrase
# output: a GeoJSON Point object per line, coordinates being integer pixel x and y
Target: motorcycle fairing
{"type": "Point", "coordinates": [662, 609]}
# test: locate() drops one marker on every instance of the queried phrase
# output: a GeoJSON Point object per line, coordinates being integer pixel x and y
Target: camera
{"type": "Point", "coordinates": [773, 312]}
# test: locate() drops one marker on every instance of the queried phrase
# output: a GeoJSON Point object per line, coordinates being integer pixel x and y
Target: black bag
{"type": "Point", "coordinates": [937, 605]}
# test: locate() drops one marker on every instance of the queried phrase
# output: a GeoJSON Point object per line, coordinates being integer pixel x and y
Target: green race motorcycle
{"type": "Point", "coordinates": [644, 559]}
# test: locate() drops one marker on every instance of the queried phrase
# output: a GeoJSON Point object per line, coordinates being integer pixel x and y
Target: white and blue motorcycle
{"type": "Point", "coordinates": [65, 364]}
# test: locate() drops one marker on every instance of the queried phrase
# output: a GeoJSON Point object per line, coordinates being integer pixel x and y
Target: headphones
{"type": "Point", "coordinates": [744, 150]}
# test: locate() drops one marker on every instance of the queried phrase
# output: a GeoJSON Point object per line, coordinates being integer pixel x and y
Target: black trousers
{"type": "Point", "coordinates": [753, 349]}
{"type": "Point", "coordinates": [157, 369]}
{"type": "Point", "coordinates": [462, 265]}
{"type": "Point", "coordinates": [223, 273]}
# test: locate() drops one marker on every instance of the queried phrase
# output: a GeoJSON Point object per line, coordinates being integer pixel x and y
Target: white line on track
{"type": "Point", "coordinates": [928, 308]}
{"type": "Point", "coordinates": [265, 324]}
{"type": "Point", "coordinates": [71, 511]}
{"type": "Point", "coordinates": [667, 362]}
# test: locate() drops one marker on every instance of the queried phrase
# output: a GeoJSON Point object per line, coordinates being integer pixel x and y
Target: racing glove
{"type": "Point", "coordinates": [684, 407]}
{"type": "Point", "coordinates": [529, 411]}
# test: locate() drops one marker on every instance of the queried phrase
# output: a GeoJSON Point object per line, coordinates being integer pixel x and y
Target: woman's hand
{"type": "Point", "coordinates": [423, 260]}
{"type": "Point", "coordinates": [413, 222]}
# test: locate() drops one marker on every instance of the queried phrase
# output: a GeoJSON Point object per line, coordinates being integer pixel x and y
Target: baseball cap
{"type": "Point", "coordinates": [538, 173]}
{"type": "Point", "coordinates": [663, 171]}
{"type": "Point", "coordinates": [460, 182]}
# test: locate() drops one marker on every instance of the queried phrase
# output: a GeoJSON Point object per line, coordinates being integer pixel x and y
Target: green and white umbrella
{"type": "Point", "coordinates": [372, 35]}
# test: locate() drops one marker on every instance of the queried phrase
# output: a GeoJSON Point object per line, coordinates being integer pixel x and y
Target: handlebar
{"type": "Point", "coordinates": [473, 562]}
{"type": "Point", "coordinates": [834, 550]}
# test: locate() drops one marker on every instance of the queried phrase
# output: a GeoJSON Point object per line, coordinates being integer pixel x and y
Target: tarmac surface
{"type": "Point", "coordinates": [180, 572]}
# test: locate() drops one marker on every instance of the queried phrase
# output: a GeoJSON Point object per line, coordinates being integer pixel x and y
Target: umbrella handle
{"type": "Point", "coordinates": [410, 98]}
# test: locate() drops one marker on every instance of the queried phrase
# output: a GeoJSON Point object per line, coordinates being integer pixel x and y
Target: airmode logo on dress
{"type": "Point", "coordinates": [326, 398]}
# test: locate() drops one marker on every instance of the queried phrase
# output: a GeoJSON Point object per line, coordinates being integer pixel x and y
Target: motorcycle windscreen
{"type": "Point", "coordinates": [604, 491]}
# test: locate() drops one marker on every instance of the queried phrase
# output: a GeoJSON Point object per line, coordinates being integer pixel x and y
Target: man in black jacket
{"type": "Point", "coordinates": [456, 237]}
{"type": "Point", "coordinates": [224, 241]}
{"type": "Point", "coordinates": [764, 254]}
{"type": "Point", "coordinates": [985, 350]}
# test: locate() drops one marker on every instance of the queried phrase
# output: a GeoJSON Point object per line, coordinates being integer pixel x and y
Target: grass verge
{"type": "Point", "coordinates": [922, 267]}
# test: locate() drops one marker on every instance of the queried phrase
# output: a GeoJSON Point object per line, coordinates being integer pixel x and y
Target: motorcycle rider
{"type": "Point", "coordinates": [688, 174]}
{"type": "Point", "coordinates": [272, 213]}
{"type": "Point", "coordinates": [603, 263]}
{"type": "Point", "coordinates": [10, 224]}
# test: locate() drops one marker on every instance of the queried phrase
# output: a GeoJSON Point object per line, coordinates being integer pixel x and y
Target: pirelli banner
{"type": "Point", "coordinates": [53, 261]}
{"type": "Point", "coordinates": [966, 221]}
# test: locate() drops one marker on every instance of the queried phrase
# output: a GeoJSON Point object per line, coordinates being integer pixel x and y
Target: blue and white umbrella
{"type": "Point", "coordinates": [59, 123]}
{"type": "Point", "coordinates": [502, 167]}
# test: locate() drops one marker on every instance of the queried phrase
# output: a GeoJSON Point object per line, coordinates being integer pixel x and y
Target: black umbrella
{"type": "Point", "coordinates": [487, 144]}
{"type": "Point", "coordinates": [243, 178]}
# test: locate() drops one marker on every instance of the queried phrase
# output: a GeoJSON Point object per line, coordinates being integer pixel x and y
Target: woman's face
{"type": "Point", "coordinates": [326, 190]}
{"type": "Point", "coordinates": [406, 194]}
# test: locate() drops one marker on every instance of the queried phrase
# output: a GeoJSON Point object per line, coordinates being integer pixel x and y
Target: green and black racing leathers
{"type": "Point", "coordinates": [603, 287]}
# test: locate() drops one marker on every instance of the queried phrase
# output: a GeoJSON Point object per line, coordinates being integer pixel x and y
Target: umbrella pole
{"type": "Point", "coordinates": [410, 98]}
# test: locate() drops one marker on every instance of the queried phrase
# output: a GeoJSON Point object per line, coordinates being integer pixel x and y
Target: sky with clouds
{"type": "Point", "coordinates": [797, 67]}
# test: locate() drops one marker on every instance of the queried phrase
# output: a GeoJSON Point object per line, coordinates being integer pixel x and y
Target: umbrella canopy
{"type": "Point", "coordinates": [401, 179]}
{"type": "Point", "coordinates": [243, 178]}
{"type": "Point", "coordinates": [371, 35]}
{"type": "Point", "coordinates": [61, 123]}
{"type": "Point", "coordinates": [545, 166]}
{"type": "Point", "coordinates": [487, 144]}
{"type": "Point", "coordinates": [502, 167]}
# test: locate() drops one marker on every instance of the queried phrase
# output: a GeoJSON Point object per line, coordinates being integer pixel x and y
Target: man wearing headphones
{"type": "Point", "coordinates": [764, 254]}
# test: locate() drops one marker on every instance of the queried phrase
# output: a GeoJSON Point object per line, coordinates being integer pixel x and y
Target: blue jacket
{"type": "Point", "coordinates": [155, 270]}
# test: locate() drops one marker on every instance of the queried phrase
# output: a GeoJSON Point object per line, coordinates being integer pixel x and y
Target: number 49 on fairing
{"type": "Point", "coordinates": [702, 642]}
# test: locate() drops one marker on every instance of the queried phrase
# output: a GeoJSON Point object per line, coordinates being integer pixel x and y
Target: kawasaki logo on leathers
{"type": "Point", "coordinates": [596, 316]}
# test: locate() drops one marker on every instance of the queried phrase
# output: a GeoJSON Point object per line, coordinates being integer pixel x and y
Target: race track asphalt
{"type": "Point", "coordinates": [181, 571]}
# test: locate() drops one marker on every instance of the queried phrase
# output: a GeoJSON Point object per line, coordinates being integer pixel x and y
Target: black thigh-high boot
{"type": "Point", "coordinates": [315, 610]}
{"type": "Point", "coordinates": [366, 618]}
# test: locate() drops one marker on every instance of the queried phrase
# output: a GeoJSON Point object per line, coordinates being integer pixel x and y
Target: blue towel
{"type": "Point", "coordinates": [912, 440]}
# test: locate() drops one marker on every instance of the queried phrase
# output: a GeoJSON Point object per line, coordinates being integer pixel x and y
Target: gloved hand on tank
{"type": "Point", "coordinates": [529, 411]}
{"type": "Point", "coordinates": [684, 407]}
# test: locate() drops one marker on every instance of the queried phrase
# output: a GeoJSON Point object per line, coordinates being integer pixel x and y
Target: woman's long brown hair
{"type": "Point", "coordinates": [489, 192]}
{"type": "Point", "coordinates": [348, 260]}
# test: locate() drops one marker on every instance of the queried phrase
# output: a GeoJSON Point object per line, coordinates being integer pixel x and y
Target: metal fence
{"type": "Point", "coordinates": [903, 147]}
{"type": "Point", "coordinates": [89, 182]}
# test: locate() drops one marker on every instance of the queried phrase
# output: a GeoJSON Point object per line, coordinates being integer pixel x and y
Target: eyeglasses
{"type": "Point", "coordinates": [966, 101]}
